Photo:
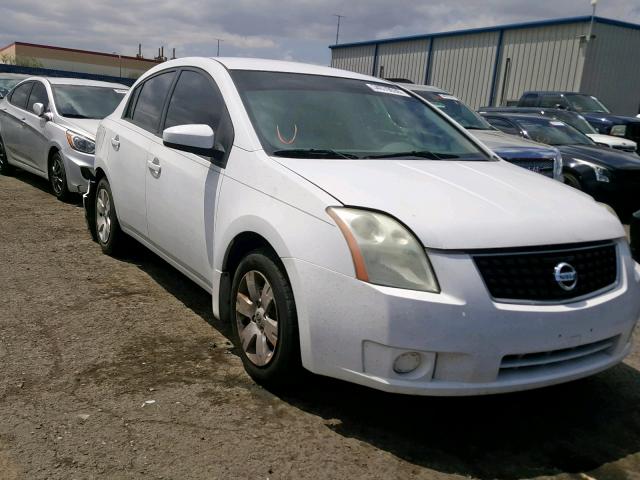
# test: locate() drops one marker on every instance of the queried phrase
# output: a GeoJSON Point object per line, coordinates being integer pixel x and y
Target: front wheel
{"type": "Point", "coordinates": [58, 177]}
{"type": "Point", "coordinates": [108, 231]}
{"type": "Point", "coordinates": [264, 321]}
{"type": "Point", "coordinates": [572, 181]}
{"type": "Point", "coordinates": [5, 168]}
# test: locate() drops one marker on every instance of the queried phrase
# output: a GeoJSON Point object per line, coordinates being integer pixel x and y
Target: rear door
{"type": "Point", "coordinates": [130, 141]}
{"type": "Point", "coordinates": [35, 129]}
{"type": "Point", "coordinates": [182, 188]}
{"type": "Point", "coordinates": [13, 123]}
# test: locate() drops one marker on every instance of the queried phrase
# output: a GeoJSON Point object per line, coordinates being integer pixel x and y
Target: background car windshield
{"type": "Point", "coordinates": [456, 110]}
{"type": "Point", "coordinates": [7, 84]}
{"type": "Point", "coordinates": [82, 101]}
{"type": "Point", "coordinates": [586, 103]}
{"type": "Point", "coordinates": [554, 133]}
{"type": "Point", "coordinates": [346, 118]}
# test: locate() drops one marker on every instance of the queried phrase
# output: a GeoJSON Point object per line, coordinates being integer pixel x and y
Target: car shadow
{"type": "Point", "coordinates": [42, 184]}
{"type": "Point", "coordinates": [576, 427]}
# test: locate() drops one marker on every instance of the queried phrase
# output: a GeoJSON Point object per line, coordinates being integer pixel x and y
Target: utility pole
{"type": "Point", "coordinates": [219, 40]}
{"type": "Point", "coordinates": [338, 28]}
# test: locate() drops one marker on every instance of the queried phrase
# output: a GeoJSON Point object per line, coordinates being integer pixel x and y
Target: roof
{"type": "Point", "coordinates": [522, 116]}
{"type": "Point", "coordinates": [510, 26]}
{"type": "Point", "coordinates": [79, 81]}
{"type": "Point", "coordinates": [89, 52]}
{"type": "Point", "coordinates": [423, 88]}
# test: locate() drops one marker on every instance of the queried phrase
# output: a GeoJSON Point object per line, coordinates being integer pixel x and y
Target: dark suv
{"type": "Point", "coordinates": [590, 108]}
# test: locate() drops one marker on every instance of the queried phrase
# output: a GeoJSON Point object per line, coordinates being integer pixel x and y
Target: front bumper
{"type": "Point", "coordinates": [74, 162]}
{"type": "Point", "coordinates": [353, 330]}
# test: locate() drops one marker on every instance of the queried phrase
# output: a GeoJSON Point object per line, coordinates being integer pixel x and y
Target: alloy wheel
{"type": "Point", "coordinates": [103, 215]}
{"type": "Point", "coordinates": [3, 155]}
{"type": "Point", "coordinates": [57, 175]}
{"type": "Point", "coordinates": [257, 318]}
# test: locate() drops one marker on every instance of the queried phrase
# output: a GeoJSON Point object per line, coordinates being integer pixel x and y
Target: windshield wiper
{"type": "Point", "coordinates": [313, 152]}
{"type": "Point", "coordinates": [416, 153]}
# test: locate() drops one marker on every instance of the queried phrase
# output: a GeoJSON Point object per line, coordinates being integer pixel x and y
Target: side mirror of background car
{"type": "Point", "coordinates": [38, 109]}
{"type": "Point", "coordinates": [635, 236]}
{"type": "Point", "coordinates": [196, 138]}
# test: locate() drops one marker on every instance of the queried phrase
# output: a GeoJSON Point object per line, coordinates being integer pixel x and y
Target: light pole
{"type": "Point", "coordinates": [338, 27]}
{"type": "Point", "coordinates": [219, 40]}
{"type": "Point", "coordinates": [594, 4]}
{"type": "Point", "coordinates": [119, 62]}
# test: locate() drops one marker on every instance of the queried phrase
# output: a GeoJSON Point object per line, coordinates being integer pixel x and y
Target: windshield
{"type": "Point", "coordinates": [575, 120]}
{"type": "Point", "coordinates": [455, 109]}
{"type": "Point", "coordinates": [585, 103]}
{"type": "Point", "coordinates": [554, 133]}
{"type": "Point", "coordinates": [312, 116]}
{"type": "Point", "coordinates": [82, 101]}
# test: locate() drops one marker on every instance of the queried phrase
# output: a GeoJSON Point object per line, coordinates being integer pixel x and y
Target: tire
{"type": "Point", "coordinates": [571, 180]}
{"type": "Point", "coordinates": [270, 354]}
{"type": "Point", "coordinates": [5, 168]}
{"type": "Point", "coordinates": [58, 177]}
{"type": "Point", "coordinates": [108, 232]}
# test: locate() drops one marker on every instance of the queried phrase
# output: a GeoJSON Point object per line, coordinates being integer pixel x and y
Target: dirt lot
{"type": "Point", "coordinates": [117, 369]}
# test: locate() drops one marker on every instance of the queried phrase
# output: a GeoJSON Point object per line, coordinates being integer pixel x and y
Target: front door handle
{"type": "Point", "coordinates": [154, 167]}
{"type": "Point", "coordinates": [115, 143]}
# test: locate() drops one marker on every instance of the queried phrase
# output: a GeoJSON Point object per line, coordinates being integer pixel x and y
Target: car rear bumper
{"type": "Point", "coordinates": [467, 343]}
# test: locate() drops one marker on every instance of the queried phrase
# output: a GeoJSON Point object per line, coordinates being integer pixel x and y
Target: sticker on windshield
{"type": "Point", "coordinates": [448, 97]}
{"type": "Point", "coordinates": [117, 90]}
{"type": "Point", "coordinates": [556, 123]}
{"type": "Point", "coordinates": [388, 90]}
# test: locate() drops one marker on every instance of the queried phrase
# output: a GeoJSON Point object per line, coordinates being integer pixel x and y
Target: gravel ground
{"type": "Point", "coordinates": [115, 368]}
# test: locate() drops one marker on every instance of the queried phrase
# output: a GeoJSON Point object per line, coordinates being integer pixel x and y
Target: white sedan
{"type": "Point", "coordinates": [347, 227]}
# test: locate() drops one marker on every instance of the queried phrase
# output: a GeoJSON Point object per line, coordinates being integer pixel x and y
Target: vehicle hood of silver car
{"type": "Point", "coordinates": [509, 146]}
{"type": "Point", "coordinates": [85, 126]}
{"type": "Point", "coordinates": [461, 205]}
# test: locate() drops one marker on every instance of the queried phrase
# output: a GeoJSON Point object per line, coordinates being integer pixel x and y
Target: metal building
{"type": "Point", "coordinates": [494, 66]}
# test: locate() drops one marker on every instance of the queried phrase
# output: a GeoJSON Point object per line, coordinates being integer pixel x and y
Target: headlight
{"type": "Point", "coordinates": [557, 167]}
{"type": "Point", "coordinates": [602, 173]}
{"type": "Point", "coordinates": [384, 252]}
{"type": "Point", "coordinates": [618, 130]}
{"type": "Point", "coordinates": [80, 142]}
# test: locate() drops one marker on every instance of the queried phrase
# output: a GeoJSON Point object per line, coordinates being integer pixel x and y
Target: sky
{"type": "Point", "coordinates": [298, 30]}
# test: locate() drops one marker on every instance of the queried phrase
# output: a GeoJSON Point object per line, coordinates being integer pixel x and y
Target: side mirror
{"type": "Point", "coordinates": [38, 109]}
{"type": "Point", "coordinates": [635, 236]}
{"type": "Point", "coordinates": [196, 138]}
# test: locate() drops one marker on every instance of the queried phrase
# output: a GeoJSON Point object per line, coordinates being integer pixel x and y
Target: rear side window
{"type": "Point", "coordinates": [20, 95]}
{"type": "Point", "coordinates": [38, 95]}
{"type": "Point", "coordinates": [197, 100]}
{"type": "Point", "coordinates": [148, 107]}
{"type": "Point", "coordinates": [529, 100]}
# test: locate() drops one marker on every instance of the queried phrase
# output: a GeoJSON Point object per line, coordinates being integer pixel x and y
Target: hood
{"type": "Point", "coordinates": [86, 126]}
{"type": "Point", "coordinates": [609, 118]}
{"type": "Point", "coordinates": [509, 146]}
{"type": "Point", "coordinates": [604, 156]}
{"type": "Point", "coordinates": [612, 140]}
{"type": "Point", "coordinates": [464, 205]}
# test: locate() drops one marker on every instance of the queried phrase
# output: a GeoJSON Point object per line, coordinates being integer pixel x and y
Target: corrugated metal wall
{"type": "Point", "coordinates": [464, 64]}
{"type": "Point", "coordinates": [541, 58]}
{"type": "Point", "coordinates": [404, 59]}
{"type": "Point", "coordinates": [612, 71]}
{"type": "Point", "coordinates": [355, 59]}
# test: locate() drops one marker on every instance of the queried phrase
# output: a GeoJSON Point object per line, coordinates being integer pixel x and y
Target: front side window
{"type": "Point", "coordinates": [554, 133]}
{"type": "Point", "coordinates": [38, 95]}
{"type": "Point", "coordinates": [20, 95]}
{"type": "Point", "coordinates": [298, 115]}
{"type": "Point", "coordinates": [197, 100]}
{"type": "Point", "coordinates": [148, 107]}
{"type": "Point", "coordinates": [84, 101]}
{"type": "Point", "coordinates": [455, 109]}
{"type": "Point", "coordinates": [586, 103]}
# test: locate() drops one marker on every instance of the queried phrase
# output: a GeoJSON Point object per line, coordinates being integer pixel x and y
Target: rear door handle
{"type": "Point", "coordinates": [154, 167]}
{"type": "Point", "coordinates": [115, 143]}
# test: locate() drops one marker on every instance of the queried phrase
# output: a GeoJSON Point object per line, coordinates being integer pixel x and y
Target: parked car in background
{"type": "Point", "coordinates": [345, 226]}
{"type": "Point", "coordinates": [524, 153]}
{"type": "Point", "coordinates": [48, 127]}
{"type": "Point", "coordinates": [8, 81]}
{"type": "Point", "coordinates": [634, 233]}
{"type": "Point", "coordinates": [574, 119]}
{"type": "Point", "coordinates": [596, 113]}
{"type": "Point", "coordinates": [607, 175]}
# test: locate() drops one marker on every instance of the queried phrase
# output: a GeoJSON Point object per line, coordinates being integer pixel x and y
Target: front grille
{"type": "Point", "coordinates": [622, 148]}
{"type": "Point", "coordinates": [543, 166]}
{"type": "Point", "coordinates": [531, 362]}
{"type": "Point", "coordinates": [530, 275]}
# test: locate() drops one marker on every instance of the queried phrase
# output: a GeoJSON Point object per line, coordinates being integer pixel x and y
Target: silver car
{"type": "Point", "coordinates": [48, 127]}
